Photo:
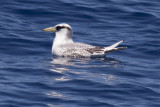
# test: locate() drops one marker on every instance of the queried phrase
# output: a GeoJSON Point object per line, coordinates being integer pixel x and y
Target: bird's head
{"type": "Point", "coordinates": [63, 27]}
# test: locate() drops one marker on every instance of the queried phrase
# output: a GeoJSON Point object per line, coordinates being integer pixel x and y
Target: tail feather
{"type": "Point", "coordinates": [114, 47]}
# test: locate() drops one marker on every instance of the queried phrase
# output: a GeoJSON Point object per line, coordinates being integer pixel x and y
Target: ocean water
{"type": "Point", "coordinates": [31, 77]}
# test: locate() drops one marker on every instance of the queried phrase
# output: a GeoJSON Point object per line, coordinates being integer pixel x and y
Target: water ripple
{"type": "Point", "coordinates": [31, 77]}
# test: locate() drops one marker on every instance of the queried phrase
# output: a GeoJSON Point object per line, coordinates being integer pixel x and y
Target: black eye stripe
{"type": "Point", "coordinates": [61, 27]}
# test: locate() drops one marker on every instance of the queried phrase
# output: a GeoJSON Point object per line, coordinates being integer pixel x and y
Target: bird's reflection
{"type": "Point", "coordinates": [73, 69]}
{"type": "Point", "coordinates": [92, 62]}
{"type": "Point", "coordinates": [81, 66]}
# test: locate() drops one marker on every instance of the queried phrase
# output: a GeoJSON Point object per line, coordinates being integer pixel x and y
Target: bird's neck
{"type": "Point", "coordinates": [62, 37]}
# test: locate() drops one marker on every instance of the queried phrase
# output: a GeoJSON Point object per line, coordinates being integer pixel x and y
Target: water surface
{"type": "Point", "coordinates": [30, 77]}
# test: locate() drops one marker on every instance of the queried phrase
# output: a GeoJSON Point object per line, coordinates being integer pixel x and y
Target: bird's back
{"type": "Point", "coordinates": [73, 49]}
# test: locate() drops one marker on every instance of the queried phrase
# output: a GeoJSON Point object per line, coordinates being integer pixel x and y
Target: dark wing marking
{"type": "Point", "coordinates": [95, 50]}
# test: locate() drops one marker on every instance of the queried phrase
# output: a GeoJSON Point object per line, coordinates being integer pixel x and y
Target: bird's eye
{"type": "Point", "coordinates": [58, 28]}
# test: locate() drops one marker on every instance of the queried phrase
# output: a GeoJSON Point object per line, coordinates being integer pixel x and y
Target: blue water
{"type": "Point", "coordinates": [30, 77]}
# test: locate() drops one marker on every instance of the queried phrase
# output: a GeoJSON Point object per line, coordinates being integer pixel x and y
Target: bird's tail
{"type": "Point", "coordinates": [114, 47]}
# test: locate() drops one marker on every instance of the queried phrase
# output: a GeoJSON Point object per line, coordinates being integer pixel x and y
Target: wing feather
{"type": "Point", "coordinates": [84, 50]}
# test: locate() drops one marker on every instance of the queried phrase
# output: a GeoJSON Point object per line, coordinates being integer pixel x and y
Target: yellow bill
{"type": "Point", "coordinates": [50, 29]}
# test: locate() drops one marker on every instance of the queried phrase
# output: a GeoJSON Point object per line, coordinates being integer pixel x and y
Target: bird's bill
{"type": "Point", "coordinates": [50, 29]}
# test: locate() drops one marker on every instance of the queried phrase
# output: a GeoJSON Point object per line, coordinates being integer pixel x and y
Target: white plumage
{"type": "Point", "coordinates": [63, 44]}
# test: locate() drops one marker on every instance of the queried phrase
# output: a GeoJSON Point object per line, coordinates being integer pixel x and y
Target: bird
{"type": "Point", "coordinates": [63, 44]}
